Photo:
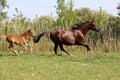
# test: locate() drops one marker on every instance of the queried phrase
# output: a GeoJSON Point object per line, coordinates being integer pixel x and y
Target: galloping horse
{"type": "Point", "coordinates": [76, 36]}
{"type": "Point", "coordinates": [19, 40]}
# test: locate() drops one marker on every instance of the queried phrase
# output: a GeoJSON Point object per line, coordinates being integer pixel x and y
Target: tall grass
{"type": "Point", "coordinates": [107, 40]}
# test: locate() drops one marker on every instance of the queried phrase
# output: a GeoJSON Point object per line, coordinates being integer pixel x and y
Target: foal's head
{"type": "Point", "coordinates": [29, 33]}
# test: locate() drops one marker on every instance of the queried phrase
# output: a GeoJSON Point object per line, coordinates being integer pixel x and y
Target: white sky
{"type": "Point", "coordinates": [31, 8]}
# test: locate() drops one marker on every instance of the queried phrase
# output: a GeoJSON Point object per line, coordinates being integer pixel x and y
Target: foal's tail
{"type": "Point", "coordinates": [3, 36]}
{"type": "Point", "coordinates": [38, 36]}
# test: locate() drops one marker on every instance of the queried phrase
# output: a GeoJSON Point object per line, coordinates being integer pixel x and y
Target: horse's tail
{"type": "Point", "coordinates": [38, 36]}
{"type": "Point", "coordinates": [3, 36]}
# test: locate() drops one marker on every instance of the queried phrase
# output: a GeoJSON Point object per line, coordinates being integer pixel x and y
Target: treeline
{"type": "Point", "coordinates": [108, 39]}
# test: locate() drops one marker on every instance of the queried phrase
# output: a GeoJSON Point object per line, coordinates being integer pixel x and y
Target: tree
{"type": "Point", "coordinates": [118, 7]}
{"type": "Point", "coordinates": [65, 12]}
{"type": "Point", "coordinates": [3, 14]}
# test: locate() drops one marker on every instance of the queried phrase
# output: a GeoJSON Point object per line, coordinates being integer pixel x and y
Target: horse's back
{"type": "Point", "coordinates": [63, 36]}
{"type": "Point", "coordinates": [55, 35]}
{"type": "Point", "coordinates": [9, 38]}
{"type": "Point", "coordinates": [14, 38]}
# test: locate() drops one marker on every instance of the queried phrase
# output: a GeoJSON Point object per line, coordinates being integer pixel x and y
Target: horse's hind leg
{"type": "Point", "coordinates": [11, 47]}
{"type": "Point", "coordinates": [55, 48]}
{"type": "Point", "coordinates": [61, 47]}
{"type": "Point", "coordinates": [14, 51]}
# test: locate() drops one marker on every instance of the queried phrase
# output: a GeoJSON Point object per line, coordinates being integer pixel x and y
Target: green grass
{"type": "Point", "coordinates": [97, 66]}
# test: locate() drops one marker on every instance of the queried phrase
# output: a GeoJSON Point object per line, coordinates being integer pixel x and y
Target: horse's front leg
{"type": "Point", "coordinates": [87, 46]}
{"type": "Point", "coordinates": [31, 51]}
{"type": "Point", "coordinates": [29, 46]}
{"type": "Point", "coordinates": [24, 46]}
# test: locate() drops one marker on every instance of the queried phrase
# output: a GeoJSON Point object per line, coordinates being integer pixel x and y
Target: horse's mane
{"type": "Point", "coordinates": [26, 32]}
{"type": "Point", "coordinates": [78, 25]}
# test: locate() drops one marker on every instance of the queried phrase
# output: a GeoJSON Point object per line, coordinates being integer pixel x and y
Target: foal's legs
{"type": "Point", "coordinates": [11, 47]}
{"type": "Point", "coordinates": [27, 45]}
{"type": "Point", "coordinates": [31, 51]}
{"type": "Point", "coordinates": [24, 46]}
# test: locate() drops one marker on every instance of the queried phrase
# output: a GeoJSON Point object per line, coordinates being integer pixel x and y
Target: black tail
{"type": "Point", "coordinates": [38, 36]}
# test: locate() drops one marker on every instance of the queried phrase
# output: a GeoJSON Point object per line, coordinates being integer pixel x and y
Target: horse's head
{"type": "Point", "coordinates": [30, 33]}
{"type": "Point", "coordinates": [93, 27]}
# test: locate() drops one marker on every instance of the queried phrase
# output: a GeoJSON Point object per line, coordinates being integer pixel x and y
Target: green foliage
{"type": "Point", "coordinates": [100, 17]}
{"type": "Point", "coordinates": [108, 39]}
{"type": "Point", "coordinates": [43, 23]}
{"type": "Point", "coordinates": [118, 7]}
{"type": "Point", "coordinates": [66, 15]}
{"type": "Point", "coordinates": [18, 24]}
{"type": "Point", "coordinates": [3, 5]}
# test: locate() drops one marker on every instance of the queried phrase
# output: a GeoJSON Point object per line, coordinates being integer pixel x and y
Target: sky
{"type": "Point", "coordinates": [31, 8]}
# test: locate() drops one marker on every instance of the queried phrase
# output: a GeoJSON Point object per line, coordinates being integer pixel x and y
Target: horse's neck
{"type": "Point", "coordinates": [84, 30]}
{"type": "Point", "coordinates": [25, 36]}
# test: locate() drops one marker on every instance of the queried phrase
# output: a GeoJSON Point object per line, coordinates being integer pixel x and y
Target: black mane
{"type": "Point", "coordinates": [78, 25]}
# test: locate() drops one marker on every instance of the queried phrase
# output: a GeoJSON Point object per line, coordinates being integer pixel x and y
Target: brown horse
{"type": "Point", "coordinates": [76, 36]}
{"type": "Point", "coordinates": [19, 40]}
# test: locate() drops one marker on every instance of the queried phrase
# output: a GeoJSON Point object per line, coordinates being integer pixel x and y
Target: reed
{"type": "Point", "coordinates": [107, 40]}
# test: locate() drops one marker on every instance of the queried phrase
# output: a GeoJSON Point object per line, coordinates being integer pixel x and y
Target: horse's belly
{"type": "Point", "coordinates": [68, 41]}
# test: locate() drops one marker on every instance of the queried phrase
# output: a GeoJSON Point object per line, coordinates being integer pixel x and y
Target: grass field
{"type": "Point", "coordinates": [97, 66]}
